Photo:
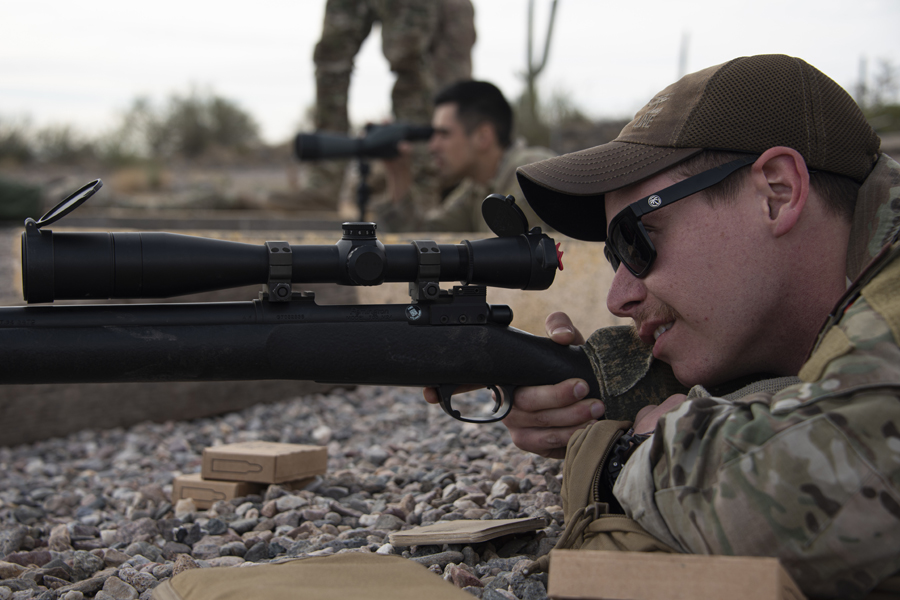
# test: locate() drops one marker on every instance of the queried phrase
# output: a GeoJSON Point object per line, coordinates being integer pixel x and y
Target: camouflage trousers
{"type": "Point", "coordinates": [427, 44]}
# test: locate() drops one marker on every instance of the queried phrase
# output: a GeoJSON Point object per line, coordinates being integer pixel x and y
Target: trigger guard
{"type": "Point", "coordinates": [445, 393]}
{"type": "Point", "coordinates": [503, 396]}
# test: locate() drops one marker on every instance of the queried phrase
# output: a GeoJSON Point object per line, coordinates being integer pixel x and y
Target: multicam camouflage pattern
{"type": "Point", "coordinates": [451, 51]}
{"type": "Point", "coordinates": [877, 216]}
{"type": "Point", "coordinates": [461, 210]}
{"type": "Point", "coordinates": [810, 474]}
{"type": "Point", "coordinates": [408, 29]}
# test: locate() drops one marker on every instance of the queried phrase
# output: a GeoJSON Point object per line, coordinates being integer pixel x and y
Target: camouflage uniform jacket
{"type": "Point", "coordinates": [810, 474]}
{"type": "Point", "coordinates": [461, 210]}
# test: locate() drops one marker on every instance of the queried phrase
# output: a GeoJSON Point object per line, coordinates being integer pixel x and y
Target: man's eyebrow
{"type": "Point", "coordinates": [441, 130]}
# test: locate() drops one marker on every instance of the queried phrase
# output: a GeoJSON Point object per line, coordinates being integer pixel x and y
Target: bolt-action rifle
{"type": "Point", "coordinates": [442, 338]}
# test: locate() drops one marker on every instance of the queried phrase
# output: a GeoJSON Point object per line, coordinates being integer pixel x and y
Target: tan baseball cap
{"type": "Point", "coordinates": [749, 104]}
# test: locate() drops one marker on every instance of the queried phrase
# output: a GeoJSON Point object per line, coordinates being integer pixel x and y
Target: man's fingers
{"type": "Point", "coordinates": [561, 329]}
{"type": "Point", "coordinates": [550, 443]}
{"type": "Point", "coordinates": [543, 397]}
{"type": "Point", "coordinates": [569, 416]}
{"type": "Point", "coordinates": [431, 394]}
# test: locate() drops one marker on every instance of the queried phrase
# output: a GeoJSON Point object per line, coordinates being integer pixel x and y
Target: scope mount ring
{"type": "Point", "coordinates": [427, 283]}
{"type": "Point", "coordinates": [281, 262]}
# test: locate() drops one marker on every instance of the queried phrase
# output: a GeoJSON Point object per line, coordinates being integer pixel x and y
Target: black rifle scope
{"type": "Point", "coordinates": [76, 266]}
{"type": "Point", "coordinates": [380, 141]}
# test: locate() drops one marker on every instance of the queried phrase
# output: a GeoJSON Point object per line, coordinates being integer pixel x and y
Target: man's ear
{"type": "Point", "coordinates": [484, 136]}
{"type": "Point", "coordinates": [781, 177]}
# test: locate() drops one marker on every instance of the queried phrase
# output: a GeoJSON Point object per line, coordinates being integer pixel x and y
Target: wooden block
{"type": "Point", "coordinates": [595, 575]}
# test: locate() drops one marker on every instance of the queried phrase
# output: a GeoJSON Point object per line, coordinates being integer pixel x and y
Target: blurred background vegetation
{"type": "Point", "coordinates": [198, 150]}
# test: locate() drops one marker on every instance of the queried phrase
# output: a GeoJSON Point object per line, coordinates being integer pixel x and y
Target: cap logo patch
{"type": "Point", "coordinates": [654, 201]}
{"type": "Point", "coordinates": [653, 108]}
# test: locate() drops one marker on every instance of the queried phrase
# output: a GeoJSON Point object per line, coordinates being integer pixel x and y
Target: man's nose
{"type": "Point", "coordinates": [626, 293]}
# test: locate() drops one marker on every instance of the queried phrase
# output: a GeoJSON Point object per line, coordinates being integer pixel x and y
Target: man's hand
{"type": "Point", "coordinates": [645, 420]}
{"type": "Point", "coordinates": [543, 418]}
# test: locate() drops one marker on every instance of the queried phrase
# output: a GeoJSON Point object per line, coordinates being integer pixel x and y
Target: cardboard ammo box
{"type": "Point", "coordinates": [264, 462]}
{"type": "Point", "coordinates": [593, 574]}
{"type": "Point", "coordinates": [205, 492]}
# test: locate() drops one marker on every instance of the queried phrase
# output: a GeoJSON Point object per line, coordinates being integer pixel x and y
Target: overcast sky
{"type": "Point", "coordinates": [82, 62]}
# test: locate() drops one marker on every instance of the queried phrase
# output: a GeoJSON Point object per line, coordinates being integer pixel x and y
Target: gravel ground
{"type": "Point", "coordinates": [90, 515]}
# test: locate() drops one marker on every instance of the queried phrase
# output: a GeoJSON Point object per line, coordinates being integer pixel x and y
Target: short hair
{"type": "Point", "coordinates": [478, 102]}
{"type": "Point", "coordinates": [837, 191]}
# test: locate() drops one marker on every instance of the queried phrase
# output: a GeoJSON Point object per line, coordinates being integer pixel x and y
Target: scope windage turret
{"type": "Point", "coordinates": [76, 266]}
{"type": "Point", "coordinates": [380, 141]}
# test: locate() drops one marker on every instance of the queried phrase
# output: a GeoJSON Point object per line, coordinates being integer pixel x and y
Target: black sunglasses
{"type": "Point", "coordinates": [627, 241]}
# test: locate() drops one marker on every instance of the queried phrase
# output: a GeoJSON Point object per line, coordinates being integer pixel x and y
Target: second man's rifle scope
{"type": "Point", "coordinates": [78, 266]}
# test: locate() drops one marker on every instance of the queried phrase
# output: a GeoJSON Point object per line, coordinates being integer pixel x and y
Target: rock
{"type": "Point", "coordinates": [385, 549]}
{"type": "Point", "coordinates": [193, 534]}
{"type": "Point", "coordinates": [10, 570]}
{"type": "Point", "coordinates": [85, 564]}
{"type": "Point", "coordinates": [376, 455]}
{"type": "Point", "coordinates": [461, 577]}
{"type": "Point", "coordinates": [118, 589]}
{"type": "Point", "coordinates": [264, 525]}
{"type": "Point", "coordinates": [138, 580]}
{"type": "Point", "coordinates": [171, 550]}
{"type": "Point", "coordinates": [184, 507]}
{"type": "Point", "coordinates": [233, 549]}
{"type": "Point", "coordinates": [269, 509]}
{"type": "Point", "coordinates": [11, 538]}
{"type": "Point", "coordinates": [290, 518]}
{"type": "Point", "coordinates": [59, 539]}
{"type": "Point", "coordinates": [387, 523]}
{"type": "Point", "coordinates": [243, 525]}
{"type": "Point", "coordinates": [28, 515]}
{"type": "Point", "coordinates": [504, 486]}
{"type": "Point", "coordinates": [73, 595]}
{"type": "Point", "coordinates": [497, 594]}
{"type": "Point", "coordinates": [220, 508]}
{"type": "Point", "coordinates": [259, 551]}
{"type": "Point", "coordinates": [20, 584]}
{"type": "Point", "coordinates": [322, 434]}
{"type": "Point", "coordinates": [145, 549]}
{"type": "Point", "coordinates": [141, 530]}
{"type": "Point", "coordinates": [313, 514]}
{"type": "Point", "coordinates": [162, 572]}
{"type": "Point", "coordinates": [182, 563]}
{"type": "Point", "coordinates": [226, 561]}
{"type": "Point", "coordinates": [216, 527]}
{"type": "Point", "coordinates": [89, 586]}
{"type": "Point", "coordinates": [54, 583]}
{"type": "Point", "coordinates": [36, 557]}
{"type": "Point", "coordinates": [441, 559]}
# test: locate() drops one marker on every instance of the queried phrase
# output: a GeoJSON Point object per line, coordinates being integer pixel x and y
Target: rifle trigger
{"type": "Point", "coordinates": [503, 396]}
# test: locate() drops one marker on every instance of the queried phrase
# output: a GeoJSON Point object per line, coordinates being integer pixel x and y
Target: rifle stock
{"type": "Point", "coordinates": [299, 340]}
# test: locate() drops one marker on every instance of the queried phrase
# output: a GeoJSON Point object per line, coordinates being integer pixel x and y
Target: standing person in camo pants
{"type": "Point", "coordinates": [427, 43]}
